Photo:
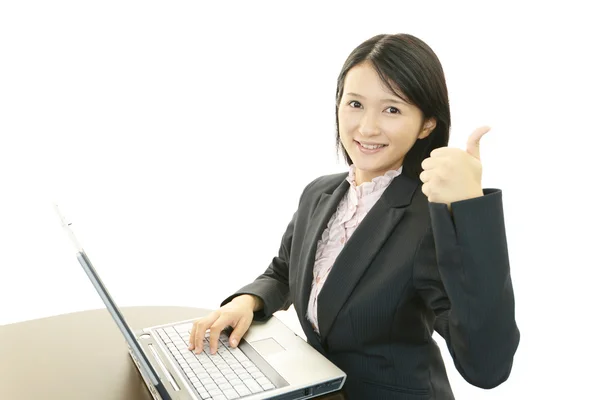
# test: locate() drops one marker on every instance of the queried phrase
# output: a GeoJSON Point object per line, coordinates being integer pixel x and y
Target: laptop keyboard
{"type": "Point", "coordinates": [228, 374]}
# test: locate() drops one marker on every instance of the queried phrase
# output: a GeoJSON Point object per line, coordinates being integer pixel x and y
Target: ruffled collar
{"type": "Point", "coordinates": [378, 183]}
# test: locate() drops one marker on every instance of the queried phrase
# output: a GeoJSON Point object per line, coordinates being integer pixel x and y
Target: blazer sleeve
{"type": "Point", "coordinates": [462, 273]}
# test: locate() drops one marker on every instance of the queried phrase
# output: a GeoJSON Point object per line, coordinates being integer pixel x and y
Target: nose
{"type": "Point", "coordinates": [369, 125]}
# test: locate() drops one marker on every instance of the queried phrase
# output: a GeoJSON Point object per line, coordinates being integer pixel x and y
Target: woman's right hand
{"type": "Point", "coordinates": [238, 314]}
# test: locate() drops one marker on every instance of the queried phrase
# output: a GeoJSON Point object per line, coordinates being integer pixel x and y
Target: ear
{"type": "Point", "coordinates": [428, 127]}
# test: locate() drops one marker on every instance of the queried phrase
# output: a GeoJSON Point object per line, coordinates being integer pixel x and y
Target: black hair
{"type": "Point", "coordinates": [405, 63]}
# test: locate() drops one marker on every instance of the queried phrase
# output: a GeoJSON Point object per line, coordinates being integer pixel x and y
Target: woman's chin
{"type": "Point", "coordinates": [368, 165]}
{"type": "Point", "coordinates": [372, 168]}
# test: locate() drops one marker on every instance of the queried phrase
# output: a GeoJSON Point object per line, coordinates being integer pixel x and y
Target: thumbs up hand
{"type": "Point", "coordinates": [451, 174]}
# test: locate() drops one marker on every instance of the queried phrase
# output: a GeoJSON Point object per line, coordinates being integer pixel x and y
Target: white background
{"type": "Point", "coordinates": [178, 137]}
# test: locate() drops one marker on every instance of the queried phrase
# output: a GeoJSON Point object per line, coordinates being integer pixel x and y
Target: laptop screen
{"type": "Point", "coordinates": [114, 311]}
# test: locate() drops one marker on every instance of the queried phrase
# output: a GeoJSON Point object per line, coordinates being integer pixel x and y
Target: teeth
{"type": "Point", "coordinates": [372, 146]}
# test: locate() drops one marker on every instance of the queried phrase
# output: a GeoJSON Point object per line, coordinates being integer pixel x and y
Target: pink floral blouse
{"type": "Point", "coordinates": [352, 209]}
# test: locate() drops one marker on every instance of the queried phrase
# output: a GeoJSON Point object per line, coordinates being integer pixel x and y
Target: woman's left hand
{"type": "Point", "coordinates": [451, 174]}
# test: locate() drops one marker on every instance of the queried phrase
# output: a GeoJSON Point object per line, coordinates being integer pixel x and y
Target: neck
{"type": "Point", "coordinates": [361, 177]}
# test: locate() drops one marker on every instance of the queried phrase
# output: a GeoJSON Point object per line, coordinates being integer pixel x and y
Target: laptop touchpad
{"type": "Point", "coordinates": [267, 347]}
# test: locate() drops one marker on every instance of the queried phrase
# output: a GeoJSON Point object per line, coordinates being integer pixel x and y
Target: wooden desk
{"type": "Point", "coordinates": [79, 356]}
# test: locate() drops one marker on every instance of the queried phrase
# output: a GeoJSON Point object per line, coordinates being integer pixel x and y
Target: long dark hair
{"type": "Point", "coordinates": [407, 63]}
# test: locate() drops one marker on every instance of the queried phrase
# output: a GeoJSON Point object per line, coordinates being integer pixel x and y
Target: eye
{"type": "Point", "coordinates": [354, 104]}
{"type": "Point", "coordinates": [393, 110]}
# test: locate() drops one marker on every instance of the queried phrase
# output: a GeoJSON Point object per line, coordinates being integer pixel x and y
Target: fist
{"type": "Point", "coordinates": [450, 175]}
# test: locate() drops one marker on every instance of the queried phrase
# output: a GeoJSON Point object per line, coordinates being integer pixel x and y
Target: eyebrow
{"type": "Point", "coordinates": [397, 101]}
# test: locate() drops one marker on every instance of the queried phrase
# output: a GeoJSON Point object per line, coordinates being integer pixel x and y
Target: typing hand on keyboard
{"type": "Point", "coordinates": [238, 314]}
{"type": "Point", "coordinates": [229, 374]}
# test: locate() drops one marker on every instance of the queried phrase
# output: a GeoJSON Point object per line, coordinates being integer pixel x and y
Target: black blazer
{"type": "Point", "coordinates": [410, 267]}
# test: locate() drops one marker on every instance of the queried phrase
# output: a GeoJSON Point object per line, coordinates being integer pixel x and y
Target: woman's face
{"type": "Point", "coordinates": [377, 128]}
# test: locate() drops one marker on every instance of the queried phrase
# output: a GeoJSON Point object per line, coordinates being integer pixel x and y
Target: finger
{"type": "Point", "coordinates": [425, 176]}
{"type": "Point", "coordinates": [240, 330]}
{"type": "Point", "coordinates": [474, 139]}
{"type": "Point", "coordinates": [425, 189]}
{"type": "Point", "coordinates": [428, 163]}
{"type": "Point", "coordinates": [192, 340]}
{"type": "Point", "coordinates": [201, 327]}
{"type": "Point", "coordinates": [440, 151]}
{"type": "Point", "coordinates": [201, 331]}
{"type": "Point", "coordinates": [215, 333]}
{"type": "Point", "coordinates": [199, 338]}
{"type": "Point", "coordinates": [192, 335]}
{"type": "Point", "coordinates": [432, 163]}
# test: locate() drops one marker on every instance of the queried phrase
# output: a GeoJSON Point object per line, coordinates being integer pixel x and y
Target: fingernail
{"type": "Point", "coordinates": [233, 342]}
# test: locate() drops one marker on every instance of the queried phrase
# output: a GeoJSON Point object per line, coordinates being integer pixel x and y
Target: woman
{"type": "Point", "coordinates": [406, 242]}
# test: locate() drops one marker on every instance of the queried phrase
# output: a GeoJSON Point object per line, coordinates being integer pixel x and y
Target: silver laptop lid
{"type": "Point", "coordinates": [114, 311]}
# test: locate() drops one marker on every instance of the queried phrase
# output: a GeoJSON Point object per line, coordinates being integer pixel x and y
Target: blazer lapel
{"type": "Point", "coordinates": [359, 250]}
{"type": "Point", "coordinates": [323, 212]}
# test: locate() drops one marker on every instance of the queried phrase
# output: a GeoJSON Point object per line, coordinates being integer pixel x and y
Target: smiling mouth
{"type": "Point", "coordinates": [370, 146]}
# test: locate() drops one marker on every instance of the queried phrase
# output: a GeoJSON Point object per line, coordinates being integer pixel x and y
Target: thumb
{"type": "Point", "coordinates": [473, 141]}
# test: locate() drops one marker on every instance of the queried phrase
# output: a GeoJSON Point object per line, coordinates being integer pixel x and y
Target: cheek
{"type": "Point", "coordinates": [401, 134]}
{"type": "Point", "coordinates": [343, 127]}
{"type": "Point", "coordinates": [348, 123]}
{"type": "Point", "coordinates": [405, 141]}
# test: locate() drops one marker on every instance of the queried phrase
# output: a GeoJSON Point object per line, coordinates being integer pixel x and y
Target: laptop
{"type": "Point", "coordinates": [270, 362]}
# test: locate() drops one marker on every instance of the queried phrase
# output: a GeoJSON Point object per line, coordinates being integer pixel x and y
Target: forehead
{"type": "Point", "coordinates": [364, 79]}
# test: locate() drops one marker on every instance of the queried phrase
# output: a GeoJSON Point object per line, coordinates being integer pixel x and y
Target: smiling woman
{"type": "Point", "coordinates": [374, 260]}
{"type": "Point", "coordinates": [376, 130]}
{"type": "Point", "coordinates": [391, 96]}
